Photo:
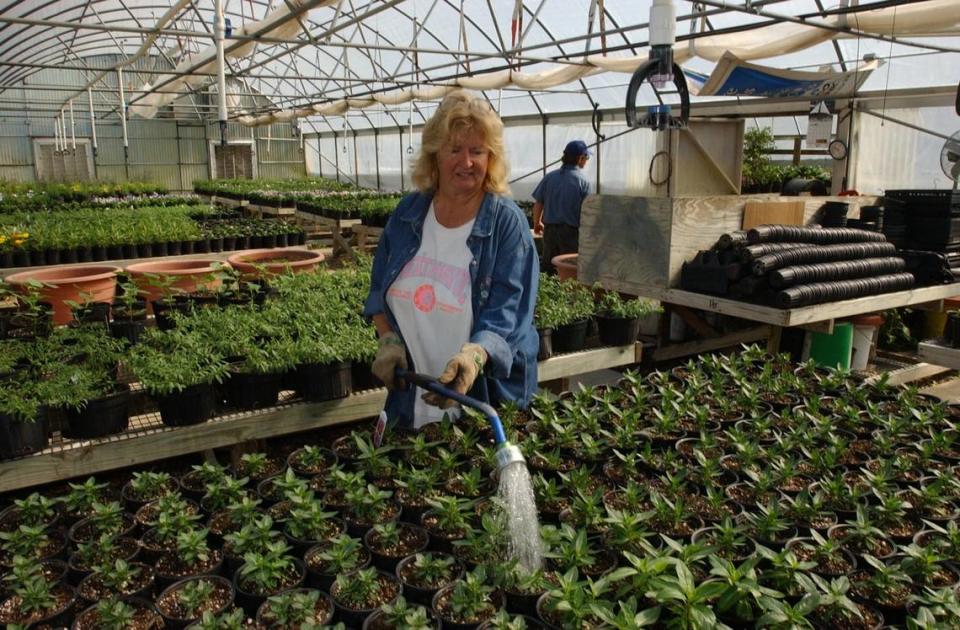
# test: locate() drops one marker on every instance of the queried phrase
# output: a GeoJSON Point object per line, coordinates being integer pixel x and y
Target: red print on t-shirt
{"type": "Point", "coordinates": [424, 298]}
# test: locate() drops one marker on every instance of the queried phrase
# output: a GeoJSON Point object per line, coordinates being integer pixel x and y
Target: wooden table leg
{"type": "Point", "coordinates": [773, 342]}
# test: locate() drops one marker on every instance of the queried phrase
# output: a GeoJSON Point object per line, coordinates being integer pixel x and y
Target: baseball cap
{"type": "Point", "coordinates": [577, 147]}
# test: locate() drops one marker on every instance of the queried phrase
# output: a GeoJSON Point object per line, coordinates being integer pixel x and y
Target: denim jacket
{"type": "Point", "coordinates": [504, 274]}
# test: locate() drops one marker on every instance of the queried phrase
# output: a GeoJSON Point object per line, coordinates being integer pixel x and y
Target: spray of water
{"type": "Point", "coordinates": [523, 529]}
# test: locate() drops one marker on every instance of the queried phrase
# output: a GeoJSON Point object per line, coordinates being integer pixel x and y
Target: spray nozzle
{"type": "Point", "coordinates": [509, 454]}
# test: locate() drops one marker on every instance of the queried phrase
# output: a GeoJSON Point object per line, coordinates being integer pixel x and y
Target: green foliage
{"type": "Point", "coordinates": [612, 305]}
{"type": "Point", "coordinates": [561, 302]}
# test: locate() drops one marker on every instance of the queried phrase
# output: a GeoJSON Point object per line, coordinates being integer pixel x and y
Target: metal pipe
{"type": "Point", "coordinates": [73, 128]}
{"type": "Point", "coordinates": [218, 29]}
{"type": "Point", "coordinates": [123, 113]}
{"type": "Point", "coordinates": [93, 122]}
{"type": "Point", "coordinates": [56, 134]}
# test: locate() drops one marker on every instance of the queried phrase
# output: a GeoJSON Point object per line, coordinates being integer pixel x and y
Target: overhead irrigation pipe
{"type": "Point", "coordinates": [73, 129]}
{"type": "Point", "coordinates": [123, 113]}
{"type": "Point", "coordinates": [93, 121]}
{"type": "Point", "coordinates": [219, 26]}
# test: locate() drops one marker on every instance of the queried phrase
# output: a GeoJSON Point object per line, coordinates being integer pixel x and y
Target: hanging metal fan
{"type": "Point", "coordinates": [950, 158]}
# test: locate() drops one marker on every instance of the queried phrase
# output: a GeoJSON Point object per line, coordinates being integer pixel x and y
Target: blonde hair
{"type": "Point", "coordinates": [461, 112]}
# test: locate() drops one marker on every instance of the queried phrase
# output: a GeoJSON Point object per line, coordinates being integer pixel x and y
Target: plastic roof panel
{"type": "Point", "coordinates": [375, 55]}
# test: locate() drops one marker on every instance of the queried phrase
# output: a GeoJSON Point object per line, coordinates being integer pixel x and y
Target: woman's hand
{"type": "Point", "coordinates": [391, 354]}
{"type": "Point", "coordinates": [459, 375]}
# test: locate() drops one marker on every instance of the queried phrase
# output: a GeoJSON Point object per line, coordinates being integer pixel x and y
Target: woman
{"type": "Point", "coordinates": [454, 279]}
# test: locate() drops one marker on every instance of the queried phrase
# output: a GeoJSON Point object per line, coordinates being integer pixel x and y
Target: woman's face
{"type": "Point", "coordinates": [462, 163]}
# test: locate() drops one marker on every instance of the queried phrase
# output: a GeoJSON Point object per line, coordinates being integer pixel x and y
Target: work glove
{"type": "Point", "coordinates": [459, 375]}
{"type": "Point", "coordinates": [391, 354]}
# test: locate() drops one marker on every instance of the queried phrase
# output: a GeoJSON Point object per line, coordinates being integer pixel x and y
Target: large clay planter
{"type": "Point", "coordinates": [275, 261]}
{"type": "Point", "coordinates": [566, 265]}
{"type": "Point", "coordinates": [191, 276]}
{"type": "Point", "coordinates": [73, 283]}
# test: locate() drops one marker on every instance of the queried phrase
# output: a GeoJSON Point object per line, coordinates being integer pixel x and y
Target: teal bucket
{"type": "Point", "coordinates": [832, 350]}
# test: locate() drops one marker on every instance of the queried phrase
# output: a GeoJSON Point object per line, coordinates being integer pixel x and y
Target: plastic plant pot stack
{"type": "Point", "coordinates": [789, 266]}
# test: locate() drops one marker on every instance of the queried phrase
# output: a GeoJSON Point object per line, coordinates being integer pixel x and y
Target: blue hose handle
{"type": "Point", "coordinates": [432, 385]}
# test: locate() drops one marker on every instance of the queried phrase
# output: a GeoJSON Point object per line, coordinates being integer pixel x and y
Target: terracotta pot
{"type": "Point", "coordinates": [191, 275]}
{"type": "Point", "coordinates": [96, 283]}
{"type": "Point", "coordinates": [566, 265]}
{"type": "Point", "coordinates": [275, 261]}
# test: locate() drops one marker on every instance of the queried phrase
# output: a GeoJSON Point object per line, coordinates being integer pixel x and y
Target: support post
{"type": "Point", "coordinates": [376, 154]}
{"type": "Point", "coordinates": [56, 134]}
{"type": "Point", "coordinates": [93, 121]}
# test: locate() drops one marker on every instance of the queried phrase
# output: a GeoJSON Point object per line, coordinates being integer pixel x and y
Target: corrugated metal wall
{"type": "Point", "coordinates": [170, 152]}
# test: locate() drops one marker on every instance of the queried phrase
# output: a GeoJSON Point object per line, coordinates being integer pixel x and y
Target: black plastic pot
{"type": "Point", "coordinates": [419, 594]}
{"type": "Point", "coordinates": [326, 621]}
{"type": "Point", "coordinates": [820, 292]}
{"type": "Point", "coordinates": [101, 416]}
{"type": "Point", "coordinates": [546, 344]}
{"type": "Point", "coordinates": [496, 599]}
{"type": "Point", "coordinates": [362, 378]}
{"type": "Point", "coordinates": [324, 381]}
{"type": "Point", "coordinates": [355, 618]}
{"type": "Point", "coordinates": [571, 337]}
{"type": "Point", "coordinates": [618, 331]}
{"type": "Point", "coordinates": [60, 617]}
{"type": "Point", "coordinates": [951, 331]}
{"type": "Point", "coordinates": [114, 252]}
{"type": "Point", "coordinates": [839, 270]}
{"type": "Point", "coordinates": [193, 405]}
{"type": "Point", "coordinates": [130, 329]}
{"type": "Point", "coordinates": [22, 437]}
{"type": "Point", "coordinates": [324, 581]}
{"type": "Point", "coordinates": [175, 623]}
{"type": "Point", "coordinates": [251, 391]}
{"type": "Point", "coordinates": [814, 235]}
{"type": "Point", "coordinates": [389, 563]}
{"type": "Point", "coordinates": [822, 254]}
{"type": "Point", "coordinates": [251, 602]}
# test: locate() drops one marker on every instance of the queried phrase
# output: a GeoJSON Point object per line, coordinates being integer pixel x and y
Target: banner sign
{"type": "Point", "coordinates": [735, 77]}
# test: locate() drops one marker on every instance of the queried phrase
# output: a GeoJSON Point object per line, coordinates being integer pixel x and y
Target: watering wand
{"type": "Point", "coordinates": [507, 453]}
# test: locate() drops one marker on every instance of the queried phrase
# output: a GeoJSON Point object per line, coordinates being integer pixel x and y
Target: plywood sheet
{"type": "Point", "coordinates": [780, 212]}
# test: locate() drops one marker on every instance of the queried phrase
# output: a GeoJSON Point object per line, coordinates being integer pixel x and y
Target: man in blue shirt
{"type": "Point", "coordinates": [558, 196]}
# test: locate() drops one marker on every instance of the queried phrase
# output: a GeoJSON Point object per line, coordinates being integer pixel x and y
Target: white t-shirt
{"type": "Point", "coordinates": [431, 301]}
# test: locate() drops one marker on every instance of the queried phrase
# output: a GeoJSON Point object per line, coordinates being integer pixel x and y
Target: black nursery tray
{"type": "Point", "coordinates": [927, 203]}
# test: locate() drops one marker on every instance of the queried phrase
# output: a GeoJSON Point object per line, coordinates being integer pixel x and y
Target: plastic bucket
{"type": "Point", "coordinates": [864, 330]}
{"type": "Point", "coordinates": [831, 350]}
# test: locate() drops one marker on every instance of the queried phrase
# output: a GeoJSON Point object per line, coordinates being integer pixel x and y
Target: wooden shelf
{"type": "Point", "coordinates": [933, 351]}
{"type": "Point", "coordinates": [808, 316]}
{"type": "Point", "coordinates": [148, 439]}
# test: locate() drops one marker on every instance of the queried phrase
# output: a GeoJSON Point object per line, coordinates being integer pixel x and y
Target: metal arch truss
{"type": "Point", "coordinates": [337, 51]}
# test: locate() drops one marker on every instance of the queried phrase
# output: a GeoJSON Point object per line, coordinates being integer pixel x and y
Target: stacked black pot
{"type": "Point", "coordinates": [790, 266]}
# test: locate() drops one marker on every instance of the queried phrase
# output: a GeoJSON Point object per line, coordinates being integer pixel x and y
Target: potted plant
{"type": "Point", "coordinates": [105, 550]}
{"type": "Point", "coordinates": [423, 574]}
{"type": "Point", "coordinates": [194, 597]}
{"type": "Point", "coordinates": [266, 573]}
{"type": "Point", "coordinates": [63, 284]}
{"type": "Point", "coordinates": [296, 608]}
{"type": "Point", "coordinates": [180, 372]}
{"type": "Point", "coordinates": [340, 556]}
{"type": "Point", "coordinates": [446, 521]}
{"type": "Point", "coordinates": [191, 556]}
{"type": "Point", "coordinates": [36, 600]}
{"type": "Point", "coordinates": [146, 486]}
{"type": "Point", "coordinates": [399, 614]}
{"type": "Point", "coordinates": [106, 518]}
{"type": "Point", "coordinates": [119, 614]}
{"type": "Point", "coordinates": [466, 603]}
{"type": "Point", "coordinates": [129, 313]}
{"type": "Point", "coordinates": [392, 541]}
{"type": "Point", "coordinates": [618, 319]}
{"type": "Point", "coordinates": [356, 595]}
{"type": "Point", "coordinates": [119, 578]}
